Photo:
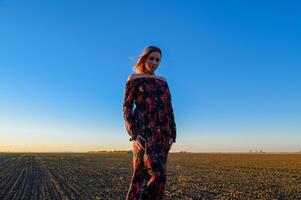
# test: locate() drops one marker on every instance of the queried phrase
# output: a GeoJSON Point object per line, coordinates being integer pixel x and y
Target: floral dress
{"type": "Point", "coordinates": [153, 119]}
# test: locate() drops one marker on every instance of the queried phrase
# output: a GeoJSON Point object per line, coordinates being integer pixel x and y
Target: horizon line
{"type": "Point", "coordinates": [116, 151]}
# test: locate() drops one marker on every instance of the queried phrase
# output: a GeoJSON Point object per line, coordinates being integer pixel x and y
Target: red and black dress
{"type": "Point", "coordinates": [153, 119]}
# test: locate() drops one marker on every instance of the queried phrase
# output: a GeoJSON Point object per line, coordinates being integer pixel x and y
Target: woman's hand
{"type": "Point", "coordinates": [170, 143]}
{"type": "Point", "coordinates": [140, 141]}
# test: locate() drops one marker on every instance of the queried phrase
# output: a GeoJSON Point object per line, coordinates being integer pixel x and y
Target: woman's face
{"type": "Point", "coordinates": [152, 62]}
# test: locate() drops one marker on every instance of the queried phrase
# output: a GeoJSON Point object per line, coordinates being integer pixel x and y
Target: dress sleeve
{"type": "Point", "coordinates": [172, 123]}
{"type": "Point", "coordinates": [128, 114]}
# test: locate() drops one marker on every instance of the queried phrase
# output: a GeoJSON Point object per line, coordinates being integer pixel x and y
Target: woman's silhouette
{"type": "Point", "coordinates": [151, 126]}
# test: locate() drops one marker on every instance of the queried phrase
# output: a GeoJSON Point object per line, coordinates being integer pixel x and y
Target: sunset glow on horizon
{"type": "Point", "coordinates": [233, 69]}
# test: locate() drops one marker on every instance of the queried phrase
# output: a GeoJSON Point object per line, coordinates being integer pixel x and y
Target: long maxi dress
{"type": "Point", "coordinates": [153, 119]}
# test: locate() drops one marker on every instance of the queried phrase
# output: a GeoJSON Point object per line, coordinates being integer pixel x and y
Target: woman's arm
{"type": "Point", "coordinates": [172, 123]}
{"type": "Point", "coordinates": [128, 114]}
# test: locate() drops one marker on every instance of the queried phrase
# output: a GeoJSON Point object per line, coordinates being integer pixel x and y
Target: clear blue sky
{"type": "Point", "coordinates": [233, 70]}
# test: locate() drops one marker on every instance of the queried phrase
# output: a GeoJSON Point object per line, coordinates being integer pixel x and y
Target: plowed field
{"type": "Point", "coordinates": [189, 176]}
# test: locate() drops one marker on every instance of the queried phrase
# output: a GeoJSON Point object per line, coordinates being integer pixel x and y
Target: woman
{"type": "Point", "coordinates": [151, 126]}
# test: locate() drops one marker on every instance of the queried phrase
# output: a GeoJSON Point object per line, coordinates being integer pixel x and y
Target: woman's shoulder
{"type": "Point", "coordinates": [142, 75]}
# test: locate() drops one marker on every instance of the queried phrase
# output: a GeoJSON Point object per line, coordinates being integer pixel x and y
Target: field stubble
{"type": "Point", "coordinates": [189, 176]}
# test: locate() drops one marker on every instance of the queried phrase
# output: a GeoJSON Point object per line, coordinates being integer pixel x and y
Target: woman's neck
{"type": "Point", "coordinates": [147, 73]}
